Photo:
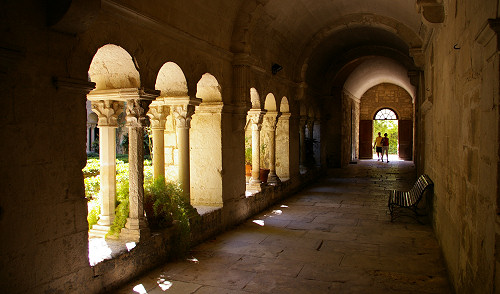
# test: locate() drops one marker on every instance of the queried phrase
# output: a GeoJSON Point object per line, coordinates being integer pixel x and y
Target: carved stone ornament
{"type": "Point", "coordinates": [107, 112]}
{"type": "Point", "coordinates": [183, 115]}
{"type": "Point", "coordinates": [271, 120]}
{"type": "Point", "coordinates": [136, 112]}
{"type": "Point", "coordinates": [158, 115]}
{"type": "Point", "coordinates": [183, 109]}
{"type": "Point", "coordinates": [256, 116]}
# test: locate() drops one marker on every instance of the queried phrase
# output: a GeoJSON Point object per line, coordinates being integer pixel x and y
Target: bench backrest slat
{"type": "Point", "coordinates": [415, 194]}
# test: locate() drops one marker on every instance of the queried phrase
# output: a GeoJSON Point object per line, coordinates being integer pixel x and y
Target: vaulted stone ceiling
{"type": "Point", "coordinates": [318, 42]}
{"type": "Point", "coordinates": [323, 38]}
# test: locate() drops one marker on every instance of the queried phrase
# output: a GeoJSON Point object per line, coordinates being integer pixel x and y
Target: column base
{"type": "Point", "coordinates": [255, 185]}
{"type": "Point", "coordinates": [98, 231]}
{"type": "Point", "coordinates": [273, 179]}
{"type": "Point", "coordinates": [135, 230]}
{"type": "Point", "coordinates": [135, 235]}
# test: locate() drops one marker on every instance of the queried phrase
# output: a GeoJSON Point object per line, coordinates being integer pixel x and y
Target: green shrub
{"type": "Point", "coordinates": [92, 168]}
{"type": "Point", "coordinates": [121, 210]}
{"type": "Point", "coordinates": [165, 205]}
{"type": "Point", "coordinates": [92, 187]}
{"type": "Point", "coordinates": [94, 210]}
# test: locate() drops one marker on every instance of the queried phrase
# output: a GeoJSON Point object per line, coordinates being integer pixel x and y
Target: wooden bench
{"type": "Point", "coordinates": [399, 200]}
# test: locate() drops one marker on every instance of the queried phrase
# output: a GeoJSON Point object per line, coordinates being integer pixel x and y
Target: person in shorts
{"type": "Point", "coordinates": [385, 147]}
{"type": "Point", "coordinates": [378, 146]}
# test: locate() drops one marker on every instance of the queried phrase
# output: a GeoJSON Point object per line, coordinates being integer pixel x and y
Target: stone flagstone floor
{"type": "Point", "coordinates": [333, 237]}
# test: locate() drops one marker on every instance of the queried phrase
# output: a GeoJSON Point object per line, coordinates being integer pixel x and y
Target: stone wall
{"type": "Point", "coordinates": [386, 96]}
{"type": "Point", "coordinates": [460, 135]}
{"type": "Point", "coordinates": [349, 103]}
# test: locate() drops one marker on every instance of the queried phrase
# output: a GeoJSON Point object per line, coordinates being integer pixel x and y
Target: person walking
{"type": "Point", "coordinates": [385, 147]}
{"type": "Point", "coordinates": [378, 146]}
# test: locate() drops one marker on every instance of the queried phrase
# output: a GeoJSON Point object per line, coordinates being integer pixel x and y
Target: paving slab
{"type": "Point", "coordinates": [333, 237]}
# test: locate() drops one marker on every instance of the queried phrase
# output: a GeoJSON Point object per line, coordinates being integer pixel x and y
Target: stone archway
{"type": "Point", "coordinates": [386, 96]}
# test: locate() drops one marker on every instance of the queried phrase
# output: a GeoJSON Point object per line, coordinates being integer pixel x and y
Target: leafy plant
{"type": "Point", "coordinates": [94, 210]}
{"type": "Point", "coordinates": [122, 208]}
{"type": "Point", "coordinates": [95, 146]}
{"type": "Point", "coordinates": [165, 206]}
{"type": "Point", "coordinates": [92, 187]}
{"type": "Point", "coordinates": [92, 168]}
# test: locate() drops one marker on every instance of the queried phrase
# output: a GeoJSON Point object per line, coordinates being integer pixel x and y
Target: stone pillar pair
{"type": "Point", "coordinates": [257, 117]}
{"type": "Point", "coordinates": [158, 113]}
{"type": "Point", "coordinates": [182, 108]}
{"type": "Point", "coordinates": [271, 122]}
{"type": "Point", "coordinates": [108, 104]}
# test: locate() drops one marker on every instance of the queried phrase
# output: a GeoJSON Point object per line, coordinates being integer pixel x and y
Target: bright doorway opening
{"type": "Point", "coordinates": [386, 121]}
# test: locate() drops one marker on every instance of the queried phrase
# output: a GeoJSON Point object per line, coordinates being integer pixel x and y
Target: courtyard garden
{"type": "Point", "coordinates": [164, 203]}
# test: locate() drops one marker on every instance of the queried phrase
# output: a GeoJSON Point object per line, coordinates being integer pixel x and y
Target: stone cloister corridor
{"type": "Point", "coordinates": [164, 125]}
{"type": "Point", "coordinates": [332, 237]}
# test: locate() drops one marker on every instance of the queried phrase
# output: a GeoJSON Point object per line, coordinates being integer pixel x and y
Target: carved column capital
{"type": "Point", "coordinates": [136, 112]}
{"type": "Point", "coordinates": [108, 104]}
{"type": "Point", "coordinates": [182, 108]}
{"type": "Point", "coordinates": [157, 114]}
{"type": "Point", "coordinates": [183, 115]}
{"type": "Point", "coordinates": [271, 120]}
{"type": "Point", "coordinates": [256, 115]}
{"type": "Point", "coordinates": [107, 112]}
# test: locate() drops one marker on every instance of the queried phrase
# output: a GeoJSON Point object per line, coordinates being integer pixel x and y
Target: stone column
{"type": "Point", "coordinates": [107, 112]}
{"type": "Point", "coordinates": [256, 116]}
{"type": "Point", "coordinates": [137, 102]}
{"type": "Point", "coordinates": [183, 109]}
{"type": "Point", "coordinates": [136, 227]}
{"type": "Point", "coordinates": [302, 137]}
{"type": "Point", "coordinates": [271, 123]}
{"type": "Point", "coordinates": [157, 116]}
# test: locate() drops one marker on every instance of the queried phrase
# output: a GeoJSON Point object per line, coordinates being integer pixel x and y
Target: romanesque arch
{"type": "Point", "coordinates": [118, 91]}
{"type": "Point", "coordinates": [386, 96]}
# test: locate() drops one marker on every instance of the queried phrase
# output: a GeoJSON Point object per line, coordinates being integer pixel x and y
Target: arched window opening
{"type": "Point", "coordinates": [172, 83]}
{"type": "Point", "coordinates": [115, 206]}
{"type": "Point", "coordinates": [385, 113]}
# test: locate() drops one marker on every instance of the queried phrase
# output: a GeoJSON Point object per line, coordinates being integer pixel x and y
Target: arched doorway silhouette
{"type": "Point", "coordinates": [386, 122]}
{"type": "Point", "coordinates": [402, 138]}
{"type": "Point", "coordinates": [389, 98]}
